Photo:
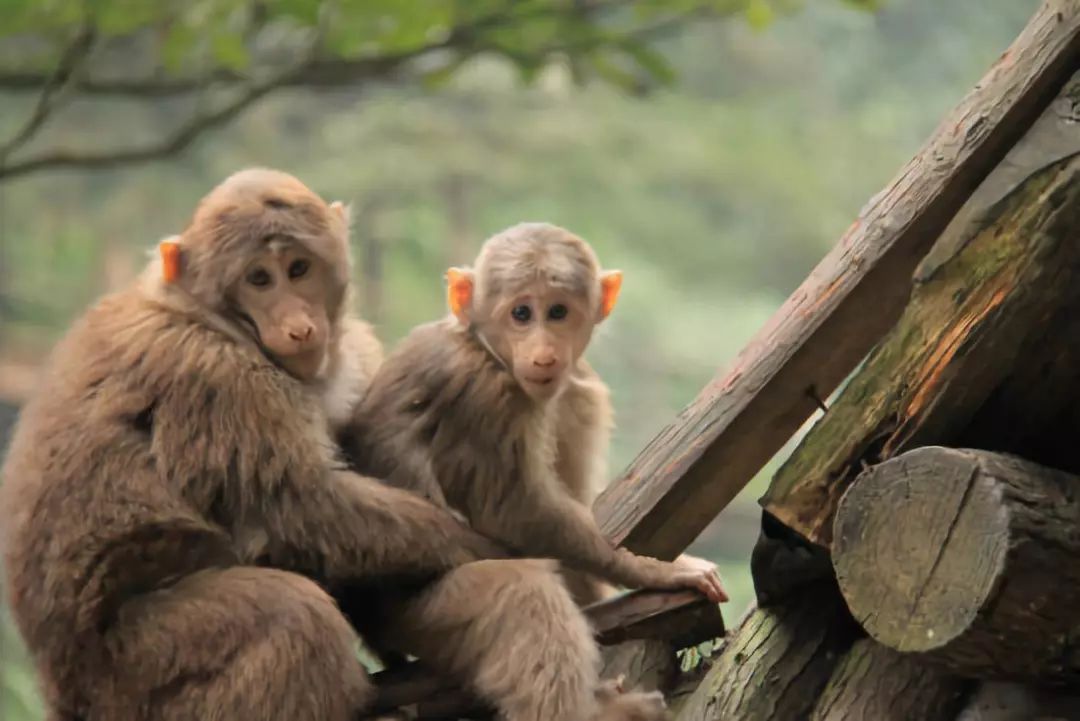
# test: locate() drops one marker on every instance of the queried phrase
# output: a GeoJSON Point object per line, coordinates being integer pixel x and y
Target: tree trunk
{"type": "Point", "coordinates": [952, 554]}
{"type": "Point", "coordinates": [984, 355]}
{"type": "Point", "coordinates": [875, 683]}
{"type": "Point", "coordinates": [775, 664]}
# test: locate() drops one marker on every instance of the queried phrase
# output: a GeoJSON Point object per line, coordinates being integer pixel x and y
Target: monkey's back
{"type": "Point", "coordinates": [87, 515]}
{"type": "Point", "coordinates": [442, 390]}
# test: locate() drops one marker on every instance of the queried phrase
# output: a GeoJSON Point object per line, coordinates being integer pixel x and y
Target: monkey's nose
{"type": "Point", "coordinates": [301, 335]}
{"type": "Point", "coordinates": [544, 361]}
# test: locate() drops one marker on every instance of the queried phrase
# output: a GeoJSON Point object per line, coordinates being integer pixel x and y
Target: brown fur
{"type": "Point", "coordinates": [164, 459]}
{"type": "Point", "coordinates": [522, 466]}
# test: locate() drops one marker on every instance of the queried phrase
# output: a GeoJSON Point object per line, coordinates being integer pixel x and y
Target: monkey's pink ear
{"type": "Point", "coordinates": [170, 260]}
{"type": "Point", "coordinates": [610, 284]}
{"type": "Point", "coordinates": [459, 292]}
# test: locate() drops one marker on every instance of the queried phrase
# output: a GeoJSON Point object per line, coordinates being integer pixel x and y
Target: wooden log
{"type": "Point", "coordinates": [968, 558]}
{"type": "Point", "coordinates": [984, 355]}
{"type": "Point", "coordinates": [696, 465]}
{"type": "Point", "coordinates": [674, 617]}
{"type": "Point", "coordinates": [777, 661]}
{"type": "Point", "coordinates": [875, 682]}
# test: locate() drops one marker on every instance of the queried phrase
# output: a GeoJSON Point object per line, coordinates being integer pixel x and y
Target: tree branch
{"type": "Point", "coordinates": [170, 145]}
{"type": "Point", "coordinates": [326, 72]}
{"type": "Point", "coordinates": [313, 72]}
{"type": "Point", "coordinates": [53, 92]}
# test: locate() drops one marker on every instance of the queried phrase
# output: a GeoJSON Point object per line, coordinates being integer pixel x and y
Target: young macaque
{"type": "Point", "coordinates": [494, 412]}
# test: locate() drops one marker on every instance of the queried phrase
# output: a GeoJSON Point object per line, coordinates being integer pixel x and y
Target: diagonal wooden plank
{"type": "Point", "coordinates": [696, 465]}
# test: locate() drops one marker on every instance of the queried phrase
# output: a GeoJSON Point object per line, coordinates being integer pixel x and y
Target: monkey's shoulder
{"type": "Point", "coordinates": [437, 359]}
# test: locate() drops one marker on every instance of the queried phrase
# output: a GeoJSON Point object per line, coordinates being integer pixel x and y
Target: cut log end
{"type": "Point", "coordinates": [949, 553]}
{"type": "Point", "coordinates": [918, 544]}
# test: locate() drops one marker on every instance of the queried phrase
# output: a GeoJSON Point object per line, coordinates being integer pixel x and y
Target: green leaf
{"type": "Point", "coordinates": [178, 44]}
{"type": "Point", "coordinates": [123, 17]}
{"type": "Point", "coordinates": [759, 13]}
{"type": "Point", "coordinates": [230, 51]}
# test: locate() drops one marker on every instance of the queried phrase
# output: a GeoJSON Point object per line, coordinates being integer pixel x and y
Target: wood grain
{"type": "Point", "coordinates": [951, 555]}
{"type": "Point", "coordinates": [696, 465]}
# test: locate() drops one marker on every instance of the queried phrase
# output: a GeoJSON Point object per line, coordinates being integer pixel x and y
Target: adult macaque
{"type": "Point", "coordinates": [493, 410]}
{"type": "Point", "coordinates": [174, 483]}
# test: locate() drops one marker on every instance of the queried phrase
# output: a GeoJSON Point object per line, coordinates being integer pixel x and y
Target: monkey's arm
{"type": "Point", "coordinates": [387, 452]}
{"type": "Point", "coordinates": [542, 520]}
{"type": "Point", "coordinates": [347, 526]}
{"type": "Point", "coordinates": [260, 445]}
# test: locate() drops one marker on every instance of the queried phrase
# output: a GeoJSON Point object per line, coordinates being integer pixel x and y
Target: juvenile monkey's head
{"type": "Point", "coordinates": [534, 297]}
{"type": "Point", "coordinates": [267, 253]}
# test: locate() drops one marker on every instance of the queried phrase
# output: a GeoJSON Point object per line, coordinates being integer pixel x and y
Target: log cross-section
{"type": "Point", "coordinates": [968, 558]}
{"type": "Point", "coordinates": [696, 465]}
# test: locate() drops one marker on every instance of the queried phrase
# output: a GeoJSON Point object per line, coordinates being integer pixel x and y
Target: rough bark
{"type": "Point", "coordinates": [695, 466]}
{"type": "Point", "coordinates": [984, 355]}
{"type": "Point", "coordinates": [776, 663]}
{"type": "Point", "coordinates": [967, 558]}
{"type": "Point", "coordinates": [875, 682]}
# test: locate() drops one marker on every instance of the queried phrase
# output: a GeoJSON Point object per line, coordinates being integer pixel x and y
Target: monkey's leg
{"type": "Point", "coordinates": [236, 643]}
{"type": "Point", "coordinates": [512, 632]}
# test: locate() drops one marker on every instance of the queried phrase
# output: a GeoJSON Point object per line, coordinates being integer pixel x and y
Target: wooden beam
{"type": "Point", "coordinates": [696, 465]}
{"type": "Point", "coordinates": [966, 558]}
{"type": "Point", "coordinates": [983, 356]}
{"type": "Point", "coordinates": [682, 618]}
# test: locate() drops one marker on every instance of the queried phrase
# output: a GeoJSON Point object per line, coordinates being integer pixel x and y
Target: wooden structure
{"type": "Point", "coordinates": [900, 574]}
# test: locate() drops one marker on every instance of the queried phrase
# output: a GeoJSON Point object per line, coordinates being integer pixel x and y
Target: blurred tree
{"type": "Point", "coordinates": [215, 58]}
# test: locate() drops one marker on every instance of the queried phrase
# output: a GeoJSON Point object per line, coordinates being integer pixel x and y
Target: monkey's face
{"type": "Point", "coordinates": [541, 333]}
{"type": "Point", "coordinates": [283, 298]}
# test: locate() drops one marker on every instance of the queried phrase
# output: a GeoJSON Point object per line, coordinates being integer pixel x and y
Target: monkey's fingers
{"type": "Point", "coordinates": [718, 587]}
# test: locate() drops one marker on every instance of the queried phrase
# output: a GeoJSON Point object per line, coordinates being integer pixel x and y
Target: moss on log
{"type": "Point", "coordinates": [984, 355]}
{"type": "Point", "coordinates": [968, 558]}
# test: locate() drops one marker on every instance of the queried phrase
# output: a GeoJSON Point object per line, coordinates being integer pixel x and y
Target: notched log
{"type": "Point", "coordinates": [968, 559]}
{"type": "Point", "coordinates": [984, 355]}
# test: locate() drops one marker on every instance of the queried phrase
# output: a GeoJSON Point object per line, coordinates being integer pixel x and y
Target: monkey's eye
{"type": "Point", "coordinates": [298, 268]}
{"type": "Point", "coordinates": [259, 278]}
{"type": "Point", "coordinates": [557, 312]}
{"type": "Point", "coordinates": [521, 313]}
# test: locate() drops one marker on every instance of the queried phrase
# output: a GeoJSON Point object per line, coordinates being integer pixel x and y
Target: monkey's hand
{"type": "Point", "coordinates": [683, 572]}
{"type": "Point", "coordinates": [699, 573]}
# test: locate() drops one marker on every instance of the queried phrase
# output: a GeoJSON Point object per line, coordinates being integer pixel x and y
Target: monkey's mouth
{"type": "Point", "coordinates": [545, 381]}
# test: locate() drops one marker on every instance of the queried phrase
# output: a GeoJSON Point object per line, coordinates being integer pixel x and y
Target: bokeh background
{"type": "Point", "coordinates": [715, 172]}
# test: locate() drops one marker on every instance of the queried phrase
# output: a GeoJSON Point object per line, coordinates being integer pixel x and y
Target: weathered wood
{"type": "Point", "coordinates": [968, 558]}
{"type": "Point", "coordinates": [674, 617]}
{"type": "Point", "coordinates": [695, 466]}
{"type": "Point", "coordinates": [777, 661]}
{"type": "Point", "coordinates": [1003, 701]}
{"type": "Point", "coordinates": [646, 664]}
{"type": "Point", "coordinates": [984, 355]}
{"type": "Point", "coordinates": [875, 682]}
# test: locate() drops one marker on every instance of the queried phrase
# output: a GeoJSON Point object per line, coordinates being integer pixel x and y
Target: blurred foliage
{"type": "Point", "coordinates": [716, 194]}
